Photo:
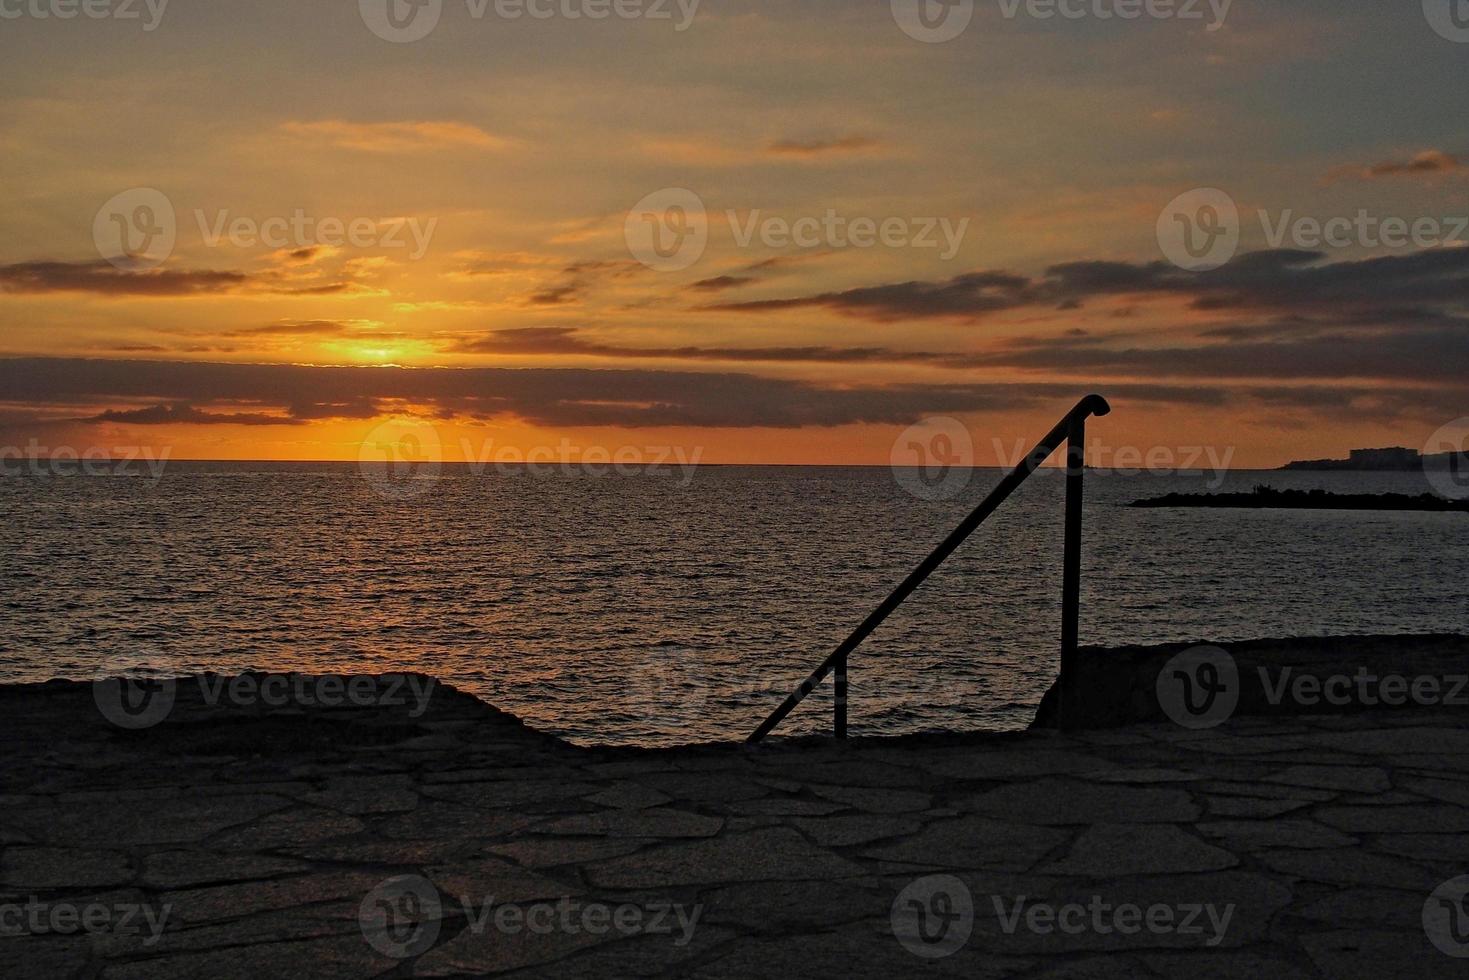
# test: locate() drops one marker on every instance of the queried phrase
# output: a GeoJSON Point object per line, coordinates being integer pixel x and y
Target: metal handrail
{"type": "Point", "coordinates": [1072, 430]}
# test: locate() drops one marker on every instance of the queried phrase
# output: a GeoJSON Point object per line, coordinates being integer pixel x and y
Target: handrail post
{"type": "Point", "coordinates": [1071, 560]}
{"type": "Point", "coordinates": [839, 710]}
{"type": "Point", "coordinates": [1072, 430]}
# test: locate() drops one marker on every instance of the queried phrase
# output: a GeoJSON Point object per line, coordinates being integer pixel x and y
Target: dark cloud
{"type": "Point", "coordinates": [1274, 281]}
{"type": "Point", "coordinates": [103, 277]}
{"type": "Point", "coordinates": [721, 283]}
{"type": "Point", "coordinates": [1427, 162]}
{"type": "Point", "coordinates": [966, 297]}
{"type": "Point", "coordinates": [811, 148]}
{"type": "Point", "coordinates": [185, 415]}
{"type": "Point", "coordinates": [196, 392]}
{"type": "Point", "coordinates": [570, 340]}
{"type": "Point", "coordinates": [555, 296]}
{"type": "Point", "coordinates": [576, 278]}
{"type": "Point", "coordinates": [297, 328]}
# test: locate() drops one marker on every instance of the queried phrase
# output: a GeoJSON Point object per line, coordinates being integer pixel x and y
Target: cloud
{"type": "Point", "coordinates": [185, 392]}
{"type": "Point", "coordinates": [570, 340]}
{"type": "Point", "coordinates": [815, 148]}
{"type": "Point", "coordinates": [575, 278]}
{"type": "Point", "coordinates": [102, 277]}
{"type": "Point", "coordinates": [182, 414]}
{"type": "Point", "coordinates": [1275, 281]}
{"type": "Point", "coordinates": [398, 137]}
{"type": "Point", "coordinates": [969, 296]}
{"type": "Point", "coordinates": [1427, 162]}
{"type": "Point", "coordinates": [720, 283]}
{"type": "Point", "coordinates": [1315, 352]}
{"type": "Point", "coordinates": [300, 328]}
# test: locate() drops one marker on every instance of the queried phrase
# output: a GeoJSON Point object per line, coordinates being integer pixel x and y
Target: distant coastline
{"type": "Point", "coordinates": [1269, 497]}
{"type": "Point", "coordinates": [1394, 459]}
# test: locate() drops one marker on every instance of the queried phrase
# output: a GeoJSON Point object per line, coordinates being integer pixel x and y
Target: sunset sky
{"type": "Point", "coordinates": [515, 149]}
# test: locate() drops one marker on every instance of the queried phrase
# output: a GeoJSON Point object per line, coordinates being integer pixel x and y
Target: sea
{"type": "Point", "coordinates": [677, 606]}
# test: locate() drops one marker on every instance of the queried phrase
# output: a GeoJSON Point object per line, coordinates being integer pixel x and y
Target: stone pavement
{"type": "Point", "coordinates": [363, 841]}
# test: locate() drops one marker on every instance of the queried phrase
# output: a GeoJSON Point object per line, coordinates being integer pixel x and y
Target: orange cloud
{"type": "Point", "coordinates": [398, 137]}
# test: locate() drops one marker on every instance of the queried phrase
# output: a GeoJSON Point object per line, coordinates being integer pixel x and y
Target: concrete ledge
{"type": "Point", "coordinates": [1110, 687]}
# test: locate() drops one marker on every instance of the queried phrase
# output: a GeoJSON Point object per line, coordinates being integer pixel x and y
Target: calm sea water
{"type": "Point", "coordinates": [642, 609]}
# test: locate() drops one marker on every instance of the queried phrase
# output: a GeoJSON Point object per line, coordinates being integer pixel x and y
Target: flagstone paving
{"type": "Point", "coordinates": [260, 841]}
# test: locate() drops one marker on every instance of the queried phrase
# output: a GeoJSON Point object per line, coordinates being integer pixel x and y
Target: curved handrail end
{"type": "Point", "coordinates": [1092, 405]}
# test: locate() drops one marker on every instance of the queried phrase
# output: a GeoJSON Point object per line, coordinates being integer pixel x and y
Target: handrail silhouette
{"type": "Point", "coordinates": [1071, 430]}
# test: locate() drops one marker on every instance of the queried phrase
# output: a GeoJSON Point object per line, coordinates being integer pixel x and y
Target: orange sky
{"type": "Point", "coordinates": [855, 231]}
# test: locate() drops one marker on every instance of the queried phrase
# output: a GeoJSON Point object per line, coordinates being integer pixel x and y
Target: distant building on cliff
{"type": "Point", "coordinates": [1394, 459]}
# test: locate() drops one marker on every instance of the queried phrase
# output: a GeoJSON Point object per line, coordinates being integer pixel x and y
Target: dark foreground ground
{"type": "Point", "coordinates": [241, 842]}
